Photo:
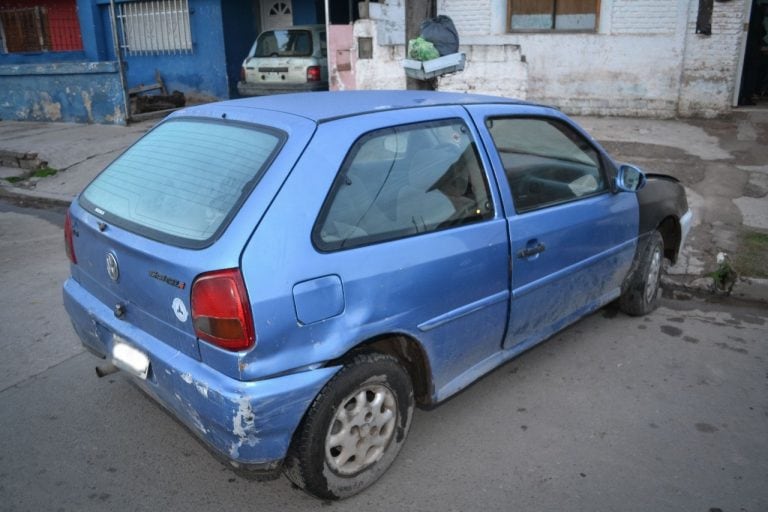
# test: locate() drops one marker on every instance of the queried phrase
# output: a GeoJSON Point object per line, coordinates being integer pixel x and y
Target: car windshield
{"type": "Point", "coordinates": [284, 43]}
{"type": "Point", "coordinates": [182, 182]}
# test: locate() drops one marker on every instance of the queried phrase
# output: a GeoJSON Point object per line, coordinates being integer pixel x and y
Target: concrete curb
{"type": "Point", "coordinates": [23, 193]}
{"type": "Point", "coordinates": [751, 289]}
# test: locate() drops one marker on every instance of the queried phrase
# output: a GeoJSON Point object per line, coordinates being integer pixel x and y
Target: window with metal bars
{"type": "Point", "coordinates": [155, 27]}
{"type": "Point", "coordinates": [39, 26]}
{"type": "Point", "coordinates": [552, 15]}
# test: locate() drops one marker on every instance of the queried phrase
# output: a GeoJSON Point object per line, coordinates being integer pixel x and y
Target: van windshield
{"type": "Point", "coordinates": [284, 43]}
{"type": "Point", "coordinates": [183, 181]}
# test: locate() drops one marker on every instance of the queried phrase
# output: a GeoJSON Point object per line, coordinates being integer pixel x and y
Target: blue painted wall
{"type": "Point", "coordinates": [240, 32]}
{"type": "Point", "coordinates": [85, 92]}
{"type": "Point", "coordinates": [64, 86]}
{"type": "Point", "coordinates": [47, 85]}
{"type": "Point", "coordinates": [308, 12]}
{"type": "Point", "coordinates": [200, 73]}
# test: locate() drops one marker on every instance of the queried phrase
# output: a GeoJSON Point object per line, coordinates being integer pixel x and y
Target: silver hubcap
{"type": "Point", "coordinates": [361, 430]}
{"type": "Point", "coordinates": [652, 282]}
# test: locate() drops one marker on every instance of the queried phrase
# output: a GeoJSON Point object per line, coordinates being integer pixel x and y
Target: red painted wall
{"type": "Point", "coordinates": [63, 25]}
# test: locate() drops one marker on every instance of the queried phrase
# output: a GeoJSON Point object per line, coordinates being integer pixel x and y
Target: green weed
{"type": "Point", "coordinates": [44, 172]}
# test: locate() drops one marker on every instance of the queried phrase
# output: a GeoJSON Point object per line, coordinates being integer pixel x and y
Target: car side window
{"type": "Point", "coordinates": [402, 181]}
{"type": "Point", "coordinates": [546, 162]}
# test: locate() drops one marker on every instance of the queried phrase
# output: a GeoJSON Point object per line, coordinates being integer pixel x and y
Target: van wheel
{"type": "Point", "coordinates": [642, 295]}
{"type": "Point", "coordinates": [354, 429]}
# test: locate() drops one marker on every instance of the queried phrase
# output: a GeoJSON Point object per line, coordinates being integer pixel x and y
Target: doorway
{"type": "Point", "coordinates": [276, 14]}
{"type": "Point", "coordinates": [754, 78]}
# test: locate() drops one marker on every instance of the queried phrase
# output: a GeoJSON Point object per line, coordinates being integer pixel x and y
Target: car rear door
{"type": "Point", "coordinates": [572, 238]}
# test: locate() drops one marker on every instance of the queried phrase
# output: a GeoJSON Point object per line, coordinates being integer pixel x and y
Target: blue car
{"type": "Point", "coordinates": [291, 275]}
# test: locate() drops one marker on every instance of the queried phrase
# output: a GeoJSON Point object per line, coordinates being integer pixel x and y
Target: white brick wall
{"type": "Point", "coordinates": [645, 61]}
{"type": "Point", "coordinates": [643, 16]}
{"type": "Point", "coordinates": [490, 69]}
{"type": "Point", "coordinates": [471, 17]}
{"type": "Point", "coordinates": [710, 62]}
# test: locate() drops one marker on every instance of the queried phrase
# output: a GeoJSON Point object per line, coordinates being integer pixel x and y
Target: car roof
{"type": "Point", "coordinates": [325, 106]}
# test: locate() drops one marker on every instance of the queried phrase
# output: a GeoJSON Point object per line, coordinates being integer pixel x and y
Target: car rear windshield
{"type": "Point", "coordinates": [183, 181]}
{"type": "Point", "coordinates": [284, 43]}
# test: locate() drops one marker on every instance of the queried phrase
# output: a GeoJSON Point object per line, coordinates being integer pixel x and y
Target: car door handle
{"type": "Point", "coordinates": [531, 251]}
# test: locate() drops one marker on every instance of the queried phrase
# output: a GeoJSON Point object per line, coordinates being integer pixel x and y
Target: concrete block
{"type": "Point", "coordinates": [751, 289]}
{"type": "Point", "coordinates": [11, 172]}
{"type": "Point", "coordinates": [32, 164]}
{"type": "Point", "coordinates": [12, 155]}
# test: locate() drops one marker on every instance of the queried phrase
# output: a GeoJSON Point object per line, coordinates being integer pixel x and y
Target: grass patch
{"type": "Point", "coordinates": [751, 259]}
{"type": "Point", "coordinates": [44, 172]}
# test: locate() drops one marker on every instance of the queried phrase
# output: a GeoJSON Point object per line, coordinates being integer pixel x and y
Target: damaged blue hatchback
{"type": "Point", "coordinates": [291, 275]}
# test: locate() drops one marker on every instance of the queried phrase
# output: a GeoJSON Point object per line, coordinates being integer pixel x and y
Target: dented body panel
{"type": "Point", "coordinates": [248, 423]}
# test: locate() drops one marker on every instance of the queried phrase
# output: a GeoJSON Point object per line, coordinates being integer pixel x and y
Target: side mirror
{"type": "Point", "coordinates": [630, 178]}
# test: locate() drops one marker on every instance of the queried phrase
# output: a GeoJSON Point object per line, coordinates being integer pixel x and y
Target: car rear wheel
{"type": "Point", "coordinates": [354, 429]}
{"type": "Point", "coordinates": [642, 294]}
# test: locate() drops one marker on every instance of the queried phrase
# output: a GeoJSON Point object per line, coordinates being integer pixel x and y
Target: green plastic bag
{"type": "Point", "coordinates": [421, 49]}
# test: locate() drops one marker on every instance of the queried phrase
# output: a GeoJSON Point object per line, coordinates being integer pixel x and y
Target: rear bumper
{"type": "Point", "coordinates": [249, 424]}
{"type": "Point", "coordinates": [251, 89]}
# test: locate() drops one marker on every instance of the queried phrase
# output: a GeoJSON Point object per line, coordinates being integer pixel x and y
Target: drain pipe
{"type": "Point", "coordinates": [120, 62]}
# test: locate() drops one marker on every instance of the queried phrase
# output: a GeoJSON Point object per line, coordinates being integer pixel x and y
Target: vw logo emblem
{"type": "Point", "coordinates": [112, 269]}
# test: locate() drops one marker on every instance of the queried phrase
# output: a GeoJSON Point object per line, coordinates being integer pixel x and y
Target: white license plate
{"type": "Point", "coordinates": [130, 359]}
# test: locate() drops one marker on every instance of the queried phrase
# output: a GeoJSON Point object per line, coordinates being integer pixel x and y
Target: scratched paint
{"type": "Point", "coordinates": [243, 427]}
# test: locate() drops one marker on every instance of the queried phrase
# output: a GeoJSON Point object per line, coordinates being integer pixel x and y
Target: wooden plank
{"type": "Point", "coordinates": [531, 7]}
{"type": "Point", "coordinates": [576, 7]}
{"type": "Point", "coordinates": [144, 88]}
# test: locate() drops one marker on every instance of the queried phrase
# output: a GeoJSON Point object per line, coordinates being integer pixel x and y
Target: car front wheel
{"type": "Point", "coordinates": [354, 429]}
{"type": "Point", "coordinates": [642, 293]}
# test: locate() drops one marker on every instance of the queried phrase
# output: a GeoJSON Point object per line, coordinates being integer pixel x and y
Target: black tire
{"type": "Point", "coordinates": [376, 395]}
{"type": "Point", "coordinates": [642, 293]}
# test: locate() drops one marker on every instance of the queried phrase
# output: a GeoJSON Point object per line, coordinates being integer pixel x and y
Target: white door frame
{"type": "Point", "coordinates": [266, 24]}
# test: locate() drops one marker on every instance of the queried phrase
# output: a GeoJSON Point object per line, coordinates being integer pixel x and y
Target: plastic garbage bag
{"type": "Point", "coordinates": [441, 32]}
{"type": "Point", "coordinates": [421, 49]}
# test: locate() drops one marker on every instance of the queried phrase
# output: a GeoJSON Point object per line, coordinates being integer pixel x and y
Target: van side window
{"type": "Point", "coordinates": [402, 181]}
{"type": "Point", "coordinates": [546, 162]}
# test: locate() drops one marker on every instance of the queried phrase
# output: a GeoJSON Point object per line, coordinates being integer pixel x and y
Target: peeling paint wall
{"type": "Point", "coordinates": [84, 92]}
{"type": "Point", "coordinates": [384, 70]}
{"type": "Point", "coordinates": [645, 58]}
{"type": "Point", "coordinates": [711, 62]}
{"type": "Point", "coordinates": [491, 68]}
{"type": "Point", "coordinates": [341, 61]}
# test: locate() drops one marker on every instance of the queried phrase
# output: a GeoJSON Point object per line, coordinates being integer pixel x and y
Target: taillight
{"type": "Point", "coordinates": [242, 73]}
{"type": "Point", "coordinates": [221, 312]}
{"type": "Point", "coordinates": [313, 74]}
{"type": "Point", "coordinates": [69, 246]}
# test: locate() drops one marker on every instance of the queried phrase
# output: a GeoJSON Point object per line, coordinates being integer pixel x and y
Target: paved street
{"type": "Point", "coordinates": [664, 413]}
